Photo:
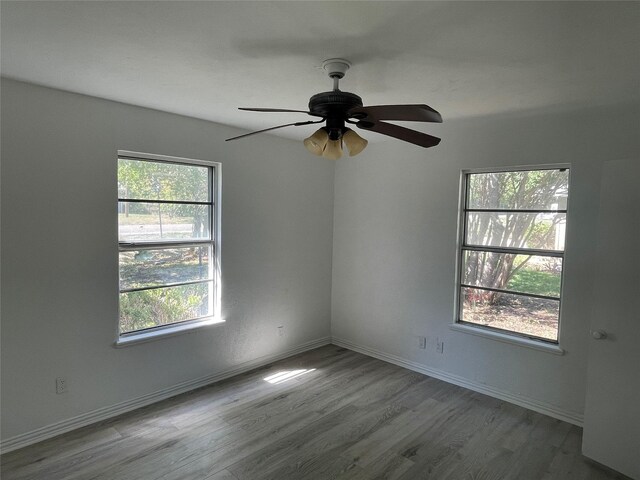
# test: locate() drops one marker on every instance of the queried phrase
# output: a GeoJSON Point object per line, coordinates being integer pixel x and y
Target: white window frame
{"type": "Point", "coordinates": [500, 335]}
{"type": "Point", "coordinates": [164, 331]}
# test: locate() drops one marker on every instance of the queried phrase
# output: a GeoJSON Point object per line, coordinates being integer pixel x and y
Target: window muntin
{"type": "Point", "coordinates": [512, 251]}
{"type": "Point", "coordinates": [166, 233]}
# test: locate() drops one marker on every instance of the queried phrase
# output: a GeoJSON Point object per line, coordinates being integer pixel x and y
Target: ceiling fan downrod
{"type": "Point", "coordinates": [336, 68]}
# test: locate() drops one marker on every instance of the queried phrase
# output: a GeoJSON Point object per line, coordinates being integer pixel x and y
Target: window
{"type": "Point", "coordinates": [512, 251]}
{"type": "Point", "coordinates": [168, 214]}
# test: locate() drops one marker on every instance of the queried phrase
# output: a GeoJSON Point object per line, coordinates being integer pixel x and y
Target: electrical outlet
{"type": "Point", "coordinates": [422, 342]}
{"type": "Point", "coordinates": [281, 331]}
{"type": "Point", "coordinates": [439, 345]}
{"type": "Point", "coordinates": [61, 385]}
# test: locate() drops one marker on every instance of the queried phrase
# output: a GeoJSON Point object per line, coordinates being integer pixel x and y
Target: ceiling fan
{"type": "Point", "coordinates": [338, 108]}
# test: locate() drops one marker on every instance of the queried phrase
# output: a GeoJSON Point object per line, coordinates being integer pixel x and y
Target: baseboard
{"type": "Point", "coordinates": [572, 417]}
{"type": "Point", "coordinates": [104, 413]}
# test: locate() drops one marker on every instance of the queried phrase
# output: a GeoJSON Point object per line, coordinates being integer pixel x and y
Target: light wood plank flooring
{"type": "Point", "coordinates": [337, 415]}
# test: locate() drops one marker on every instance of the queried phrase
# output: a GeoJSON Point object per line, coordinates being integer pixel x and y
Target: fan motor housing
{"type": "Point", "coordinates": [334, 104]}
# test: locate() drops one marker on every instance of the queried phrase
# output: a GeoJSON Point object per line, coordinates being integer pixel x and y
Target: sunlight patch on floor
{"type": "Point", "coordinates": [285, 375]}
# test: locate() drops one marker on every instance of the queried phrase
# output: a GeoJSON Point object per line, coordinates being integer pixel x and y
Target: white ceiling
{"type": "Point", "coordinates": [204, 59]}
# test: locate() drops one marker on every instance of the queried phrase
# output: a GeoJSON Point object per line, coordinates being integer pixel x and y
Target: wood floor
{"type": "Point", "coordinates": [336, 415]}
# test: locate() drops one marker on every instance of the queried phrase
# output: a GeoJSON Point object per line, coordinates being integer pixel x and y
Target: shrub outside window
{"type": "Point", "coordinates": [166, 237]}
{"type": "Point", "coordinates": [512, 251]}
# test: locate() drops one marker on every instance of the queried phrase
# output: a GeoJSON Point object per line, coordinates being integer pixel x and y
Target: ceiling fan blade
{"type": "Point", "coordinates": [277, 110]}
{"type": "Point", "coordinates": [296, 124]}
{"type": "Point", "coordinates": [412, 113]}
{"type": "Point", "coordinates": [401, 133]}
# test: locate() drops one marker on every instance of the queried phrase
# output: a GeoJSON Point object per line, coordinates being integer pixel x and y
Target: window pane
{"type": "Point", "coordinates": [146, 268]}
{"type": "Point", "coordinates": [516, 313]}
{"type": "Point", "coordinates": [506, 271]}
{"type": "Point", "coordinates": [520, 190]}
{"type": "Point", "coordinates": [516, 230]}
{"type": "Point", "coordinates": [153, 222]}
{"type": "Point", "coordinates": [164, 306]}
{"type": "Point", "coordinates": [143, 180]}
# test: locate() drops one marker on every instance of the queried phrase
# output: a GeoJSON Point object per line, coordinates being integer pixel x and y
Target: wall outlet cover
{"type": "Point", "coordinates": [62, 385]}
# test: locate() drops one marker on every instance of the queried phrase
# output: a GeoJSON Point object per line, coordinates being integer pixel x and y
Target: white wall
{"type": "Point", "coordinates": [392, 218]}
{"type": "Point", "coordinates": [59, 253]}
{"type": "Point", "coordinates": [395, 224]}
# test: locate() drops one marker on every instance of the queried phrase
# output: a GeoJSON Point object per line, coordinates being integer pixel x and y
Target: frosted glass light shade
{"type": "Point", "coordinates": [333, 150]}
{"type": "Point", "coordinates": [317, 142]}
{"type": "Point", "coordinates": [354, 142]}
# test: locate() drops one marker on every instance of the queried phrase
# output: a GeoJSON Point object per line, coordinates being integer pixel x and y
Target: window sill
{"type": "Point", "coordinates": [506, 338]}
{"type": "Point", "coordinates": [153, 335]}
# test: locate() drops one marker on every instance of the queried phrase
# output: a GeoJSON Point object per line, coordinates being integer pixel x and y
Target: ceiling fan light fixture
{"type": "Point", "coordinates": [317, 142]}
{"type": "Point", "coordinates": [354, 142]}
{"type": "Point", "coordinates": [333, 150]}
